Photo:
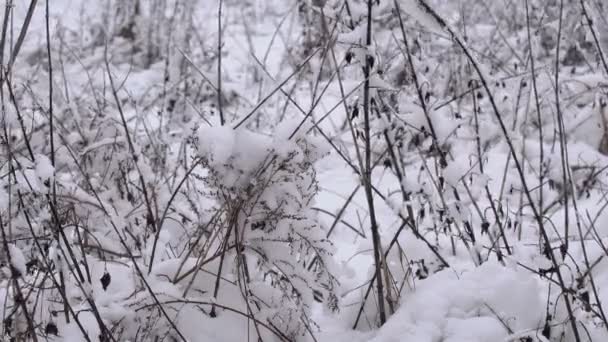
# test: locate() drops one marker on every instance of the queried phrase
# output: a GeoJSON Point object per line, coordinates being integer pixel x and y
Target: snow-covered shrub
{"type": "Point", "coordinates": [116, 246]}
{"type": "Point", "coordinates": [265, 187]}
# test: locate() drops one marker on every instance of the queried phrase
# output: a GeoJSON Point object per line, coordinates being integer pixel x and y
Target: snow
{"type": "Point", "coordinates": [44, 168]}
{"type": "Point", "coordinates": [17, 260]}
{"type": "Point", "coordinates": [255, 204]}
{"type": "Point", "coordinates": [218, 142]}
{"type": "Point", "coordinates": [419, 13]}
{"type": "Point", "coordinates": [468, 306]}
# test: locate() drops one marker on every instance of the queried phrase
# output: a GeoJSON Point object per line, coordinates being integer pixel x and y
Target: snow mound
{"type": "Point", "coordinates": [487, 303]}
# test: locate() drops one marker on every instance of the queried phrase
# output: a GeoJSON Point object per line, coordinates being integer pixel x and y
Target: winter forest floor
{"type": "Point", "coordinates": [304, 170]}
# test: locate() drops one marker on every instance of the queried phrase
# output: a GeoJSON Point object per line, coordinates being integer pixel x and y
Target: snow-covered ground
{"type": "Point", "coordinates": [149, 220]}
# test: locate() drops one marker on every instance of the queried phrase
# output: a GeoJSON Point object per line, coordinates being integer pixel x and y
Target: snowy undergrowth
{"type": "Point", "coordinates": [163, 209]}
